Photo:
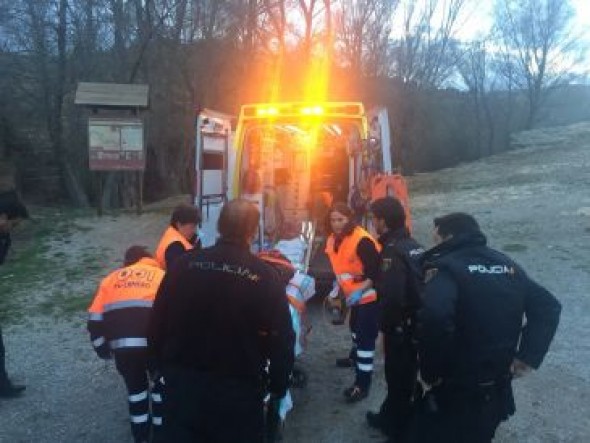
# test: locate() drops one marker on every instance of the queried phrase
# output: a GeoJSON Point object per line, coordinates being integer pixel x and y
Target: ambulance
{"type": "Point", "coordinates": [293, 160]}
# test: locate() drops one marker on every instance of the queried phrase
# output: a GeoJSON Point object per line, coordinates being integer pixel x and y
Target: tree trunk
{"type": "Point", "coordinates": [70, 180]}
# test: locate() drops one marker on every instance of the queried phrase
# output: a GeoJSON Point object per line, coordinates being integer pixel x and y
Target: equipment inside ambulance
{"type": "Point", "coordinates": [294, 160]}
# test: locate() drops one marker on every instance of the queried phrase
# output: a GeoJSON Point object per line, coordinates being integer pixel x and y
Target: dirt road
{"type": "Point", "coordinates": [533, 203]}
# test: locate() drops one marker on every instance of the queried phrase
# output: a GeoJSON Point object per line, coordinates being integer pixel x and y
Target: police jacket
{"type": "Point", "coordinates": [471, 323]}
{"type": "Point", "coordinates": [223, 311]}
{"type": "Point", "coordinates": [399, 283]}
{"type": "Point", "coordinates": [119, 314]}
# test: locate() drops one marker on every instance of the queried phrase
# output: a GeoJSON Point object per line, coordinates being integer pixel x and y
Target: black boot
{"type": "Point", "coordinates": [8, 390]}
{"type": "Point", "coordinates": [375, 420]}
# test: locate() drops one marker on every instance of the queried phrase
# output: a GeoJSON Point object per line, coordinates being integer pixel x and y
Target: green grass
{"type": "Point", "coordinates": [62, 303]}
{"type": "Point", "coordinates": [32, 268]}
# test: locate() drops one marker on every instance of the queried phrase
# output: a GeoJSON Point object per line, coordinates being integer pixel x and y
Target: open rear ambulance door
{"type": "Point", "coordinates": [212, 162]}
{"type": "Point", "coordinates": [380, 137]}
{"type": "Point", "coordinates": [387, 183]}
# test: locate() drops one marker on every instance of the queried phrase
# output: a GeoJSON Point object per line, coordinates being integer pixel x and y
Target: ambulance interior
{"type": "Point", "coordinates": [297, 170]}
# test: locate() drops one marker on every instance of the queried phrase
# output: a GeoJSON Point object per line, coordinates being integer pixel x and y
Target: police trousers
{"type": "Point", "coordinates": [453, 414]}
{"type": "Point", "coordinates": [401, 367]}
{"type": "Point", "coordinates": [208, 408]}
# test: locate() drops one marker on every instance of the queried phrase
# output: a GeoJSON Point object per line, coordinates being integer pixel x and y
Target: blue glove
{"type": "Point", "coordinates": [354, 298]}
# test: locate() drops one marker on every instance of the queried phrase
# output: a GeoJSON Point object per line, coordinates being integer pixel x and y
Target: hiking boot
{"type": "Point", "coordinates": [355, 393]}
{"type": "Point", "coordinates": [346, 362]}
{"type": "Point", "coordinates": [8, 390]}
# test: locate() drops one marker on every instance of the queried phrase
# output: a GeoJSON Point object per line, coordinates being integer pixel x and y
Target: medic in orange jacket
{"type": "Point", "coordinates": [118, 323]}
{"type": "Point", "coordinates": [180, 236]}
{"type": "Point", "coordinates": [120, 312]}
{"type": "Point", "coordinates": [354, 256]}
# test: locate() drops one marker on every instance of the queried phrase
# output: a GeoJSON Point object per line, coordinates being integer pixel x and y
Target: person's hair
{"type": "Point", "coordinates": [238, 220]}
{"type": "Point", "coordinates": [455, 224]}
{"type": "Point", "coordinates": [184, 214]}
{"type": "Point", "coordinates": [135, 253]}
{"type": "Point", "coordinates": [345, 210]}
{"type": "Point", "coordinates": [391, 210]}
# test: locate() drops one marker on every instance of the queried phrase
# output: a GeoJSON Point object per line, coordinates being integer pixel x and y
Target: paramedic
{"type": "Point", "coordinates": [118, 321]}
{"type": "Point", "coordinates": [354, 256]}
{"type": "Point", "coordinates": [180, 236]}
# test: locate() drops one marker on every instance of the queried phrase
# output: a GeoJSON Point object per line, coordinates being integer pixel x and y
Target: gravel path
{"type": "Point", "coordinates": [533, 203]}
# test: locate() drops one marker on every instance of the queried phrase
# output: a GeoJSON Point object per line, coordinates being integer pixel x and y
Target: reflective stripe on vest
{"type": "Point", "coordinates": [128, 304]}
{"type": "Point", "coordinates": [347, 265]}
{"type": "Point", "coordinates": [133, 286]}
{"type": "Point", "coordinates": [170, 235]}
{"type": "Point", "coordinates": [349, 283]}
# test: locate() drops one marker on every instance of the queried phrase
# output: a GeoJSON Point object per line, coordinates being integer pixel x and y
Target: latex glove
{"type": "Point", "coordinates": [354, 298]}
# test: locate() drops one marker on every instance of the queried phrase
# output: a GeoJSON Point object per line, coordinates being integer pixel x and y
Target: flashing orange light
{"type": "Point", "coordinates": [267, 112]}
{"type": "Point", "coordinates": [312, 110]}
{"type": "Point", "coordinates": [316, 110]}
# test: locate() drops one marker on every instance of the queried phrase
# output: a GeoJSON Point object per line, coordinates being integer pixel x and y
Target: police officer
{"type": "Point", "coordinates": [12, 211]}
{"type": "Point", "coordinates": [220, 317]}
{"type": "Point", "coordinates": [398, 288]}
{"type": "Point", "coordinates": [472, 338]}
{"type": "Point", "coordinates": [118, 322]}
{"type": "Point", "coordinates": [180, 236]}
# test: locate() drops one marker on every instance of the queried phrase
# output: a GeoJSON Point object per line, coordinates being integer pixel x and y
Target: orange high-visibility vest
{"type": "Point", "coordinates": [347, 265]}
{"type": "Point", "coordinates": [170, 235]}
{"type": "Point", "coordinates": [392, 185]}
{"type": "Point", "coordinates": [138, 282]}
{"type": "Point", "coordinates": [122, 304]}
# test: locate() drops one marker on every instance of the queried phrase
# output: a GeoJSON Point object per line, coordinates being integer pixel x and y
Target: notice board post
{"type": "Point", "coordinates": [115, 132]}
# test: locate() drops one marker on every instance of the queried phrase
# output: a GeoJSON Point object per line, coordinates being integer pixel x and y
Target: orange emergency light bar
{"type": "Point", "coordinates": [286, 110]}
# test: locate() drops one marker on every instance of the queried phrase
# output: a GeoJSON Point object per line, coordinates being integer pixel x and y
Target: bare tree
{"type": "Point", "coordinates": [363, 34]}
{"type": "Point", "coordinates": [539, 47]}
{"type": "Point", "coordinates": [426, 55]}
{"type": "Point", "coordinates": [476, 74]}
{"type": "Point", "coordinates": [308, 10]}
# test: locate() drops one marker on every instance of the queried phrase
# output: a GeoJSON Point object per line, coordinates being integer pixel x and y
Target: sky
{"type": "Point", "coordinates": [479, 20]}
{"type": "Point", "coordinates": [477, 23]}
